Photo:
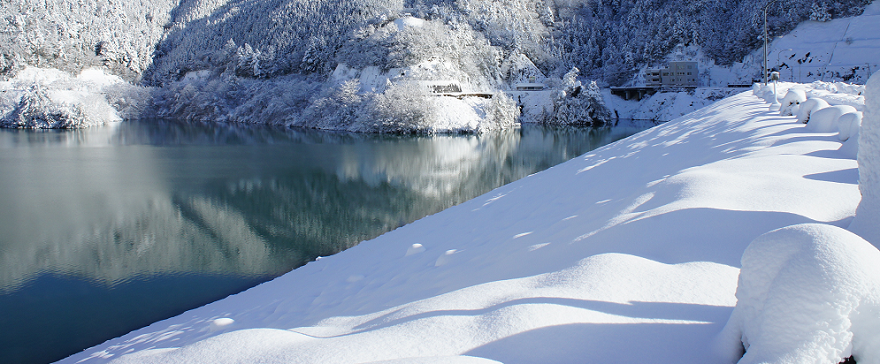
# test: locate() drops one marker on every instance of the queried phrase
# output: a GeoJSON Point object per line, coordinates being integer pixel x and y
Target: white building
{"type": "Point", "coordinates": [680, 74]}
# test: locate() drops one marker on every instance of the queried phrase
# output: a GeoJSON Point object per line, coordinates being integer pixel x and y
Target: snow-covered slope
{"type": "Point", "coordinates": [626, 254]}
{"type": "Point", "coordinates": [846, 49]}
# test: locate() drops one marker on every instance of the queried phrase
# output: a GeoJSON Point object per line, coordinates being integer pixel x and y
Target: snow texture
{"type": "Point", "coordinates": [626, 254]}
{"type": "Point", "coordinates": [807, 294]}
{"type": "Point", "coordinates": [866, 221]}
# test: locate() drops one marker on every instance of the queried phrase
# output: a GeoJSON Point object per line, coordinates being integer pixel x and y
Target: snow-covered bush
{"type": "Point", "coordinates": [825, 120]}
{"type": "Point", "coordinates": [339, 108]}
{"type": "Point", "coordinates": [579, 104]}
{"type": "Point", "coordinates": [793, 97]}
{"type": "Point", "coordinates": [402, 108]}
{"type": "Point", "coordinates": [35, 110]}
{"type": "Point", "coordinates": [51, 99]}
{"type": "Point", "coordinates": [868, 213]}
{"type": "Point", "coordinates": [807, 294]}
{"type": "Point", "coordinates": [848, 125]}
{"type": "Point", "coordinates": [500, 112]}
{"type": "Point", "coordinates": [806, 109]}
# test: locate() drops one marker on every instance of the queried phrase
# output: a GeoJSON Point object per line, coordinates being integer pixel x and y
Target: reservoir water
{"type": "Point", "coordinates": [108, 229]}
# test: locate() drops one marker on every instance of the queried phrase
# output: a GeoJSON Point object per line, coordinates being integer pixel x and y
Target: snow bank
{"type": "Point", "coordinates": [51, 99]}
{"type": "Point", "coordinates": [807, 294]}
{"type": "Point", "coordinates": [866, 221]}
{"type": "Point", "coordinates": [626, 254]}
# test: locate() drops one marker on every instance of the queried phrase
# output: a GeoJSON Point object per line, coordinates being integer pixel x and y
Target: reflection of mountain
{"type": "Point", "coordinates": [237, 200]}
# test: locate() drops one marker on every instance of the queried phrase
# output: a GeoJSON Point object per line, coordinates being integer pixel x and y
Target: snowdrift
{"type": "Point", "coordinates": [807, 294]}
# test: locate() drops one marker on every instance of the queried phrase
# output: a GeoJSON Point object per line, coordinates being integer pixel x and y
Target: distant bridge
{"type": "Point", "coordinates": [636, 92]}
{"type": "Point", "coordinates": [461, 95]}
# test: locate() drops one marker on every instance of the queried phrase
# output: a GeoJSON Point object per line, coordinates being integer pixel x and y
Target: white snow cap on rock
{"type": "Point", "coordinates": [807, 293]}
{"type": "Point", "coordinates": [867, 220]}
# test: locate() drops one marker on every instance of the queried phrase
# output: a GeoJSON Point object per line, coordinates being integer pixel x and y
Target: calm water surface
{"type": "Point", "coordinates": [106, 230]}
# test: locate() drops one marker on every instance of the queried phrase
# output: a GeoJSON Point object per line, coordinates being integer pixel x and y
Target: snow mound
{"type": "Point", "coordinates": [825, 120]}
{"type": "Point", "coordinates": [848, 125]}
{"type": "Point", "coordinates": [807, 293]}
{"type": "Point", "coordinates": [40, 98]}
{"type": "Point", "coordinates": [793, 98]}
{"type": "Point", "coordinates": [807, 108]}
{"type": "Point", "coordinates": [868, 213]}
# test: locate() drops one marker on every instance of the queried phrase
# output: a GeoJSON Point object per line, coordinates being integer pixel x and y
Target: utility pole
{"type": "Point", "coordinates": [764, 71]}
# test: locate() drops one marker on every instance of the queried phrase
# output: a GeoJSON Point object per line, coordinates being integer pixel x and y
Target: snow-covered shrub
{"type": "Point", "coordinates": [48, 99]}
{"type": "Point", "coordinates": [403, 108]}
{"type": "Point", "coordinates": [848, 125]}
{"type": "Point", "coordinates": [825, 120]}
{"type": "Point", "coordinates": [35, 110]}
{"type": "Point", "coordinates": [578, 104]}
{"type": "Point", "coordinates": [807, 294]}
{"type": "Point", "coordinates": [339, 108]}
{"type": "Point", "coordinates": [806, 108]}
{"type": "Point", "coordinates": [501, 112]}
{"type": "Point", "coordinates": [868, 213]}
{"type": "Point", "coordinates": [792, 98]}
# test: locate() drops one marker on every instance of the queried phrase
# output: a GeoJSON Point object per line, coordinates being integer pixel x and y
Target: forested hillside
{"type": "Point", "coordinates": [271, 60]}
{"type": "Point", "coordinates": [162, 40]}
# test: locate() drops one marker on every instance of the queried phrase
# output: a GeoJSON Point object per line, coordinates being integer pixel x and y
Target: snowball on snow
{"type": "Point", "coordinates": [807, 293]}
{"type": "Point", "coordinates": [848, 125]}
{"type": "Point", "coordinates": [807, 107]}
{"type": "Point", "coordinates": [825, 120]}
{"type": "Point", "coordinates": [868, 212]}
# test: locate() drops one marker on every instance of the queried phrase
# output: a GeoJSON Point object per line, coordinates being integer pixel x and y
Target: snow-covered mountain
{"type": "Point", "coordinates": [277, 61]}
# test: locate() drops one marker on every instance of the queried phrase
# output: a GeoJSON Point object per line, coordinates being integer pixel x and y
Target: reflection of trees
{"type": "Point", "coordinates": [245, 201]}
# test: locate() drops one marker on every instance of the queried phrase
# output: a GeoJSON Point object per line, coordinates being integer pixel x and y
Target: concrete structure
{"type": "Point", "coordinates": [653, 77]}
{"type": "Point", "coordinates": [529, 86]}
{"type": "Point", "coordinates": [680, 74]}
{"type": "Point", "coordinates": [677, 74]}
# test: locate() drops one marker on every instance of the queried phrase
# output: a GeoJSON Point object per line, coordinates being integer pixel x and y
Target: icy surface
{"type": "Point", "coordinates": [807, 294]}
{"type": "Point", "coordinates": [626, 254]}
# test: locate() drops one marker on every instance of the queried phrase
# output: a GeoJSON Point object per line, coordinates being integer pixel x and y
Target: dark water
{"type": "Point", "coordinates": [109, 229]}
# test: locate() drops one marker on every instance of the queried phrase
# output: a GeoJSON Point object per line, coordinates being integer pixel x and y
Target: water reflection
{"type": "Point", "coordinates": [141, 203]}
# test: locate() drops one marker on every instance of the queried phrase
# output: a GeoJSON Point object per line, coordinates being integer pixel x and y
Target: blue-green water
{"type": "Point", "coordinates": [108, 229]}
